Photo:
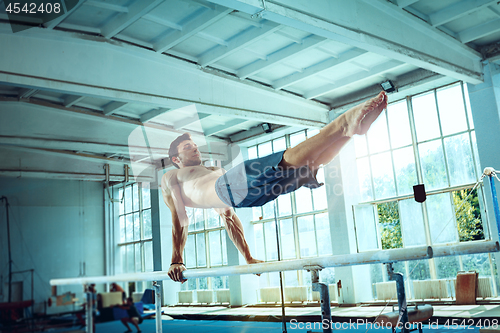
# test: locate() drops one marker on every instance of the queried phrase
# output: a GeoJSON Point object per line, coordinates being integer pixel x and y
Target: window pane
{"type": "Point", "coordinates": [199, 219]}
{"type": "Point", "coordinates": [311, 133]}
{"type": "Point", "coordinates": [215, 248]}
{"type": "Point", "coordinates": [389, 225]}
{"type": "Point", "coordinates": [146, 196]}
{"type": "Point", "coordinates": [135, 197]}
{"type": "Point", "coordinates": [297, 138]}
{"type": "Point", "coordinates": [128, 199]}
{"type": "Point", "coordinates": [412, 222]}
{"type": "Point", "coordinates": [467, 104]}
{"type": "Point", "coordinates": [451, 110]}
{"type": "Point", "coordinates": [404, 165]}
{"type": "Point", "coordinates": [123, 258]}
{"type": "Point", "coordinates": [258, 230]}
{"type": "Point", "coordinates": [425, 115]}
{"type": "Point", "coordinates": [366, 232]}
{"type": "Point", "coordinates": [319, 197]}
{"type": "Point", "coordinates": [433, 167]}
{"type": "Point", "coordinates": [148, 229]}
{"type": "Point", "coordinates": [399, 125]}
{"type": "Point", "coordinates": [130, 258]}
{"type": "Point", "coordinates": [459, 158]}
{"type": "Point", "coordinates": [360, 145]}
{"type": "Point", "coordinates": [148, 256]}
{"type": "Point", "coordinates": [270, 238]}
{"type": "Point", "coordinates": [477, 262]}
{"type": "Point", "coordinates": [122, 229]}
{"type": "Point", "coordinates": [287, 239]}
{"type": "Point", "coordinates": [137, 227]}
{"type": "Point", "coordinates": [121, 204]}
{"type": "Point", "coordinates": [479, 171]}
{"type": "Point", "coordinates": [201, 259]}
{"type": "Point", "coordinates": [203, 283]}
{"type": "Point", "coordinates": [441, 219]}
{"type": "Point", "coordinates": [252, 152]}
{"type": "Point", "coordinates": [224, 248]}
{"type": "Point", "coordinates": [378, 139]}
{"type": "Point", "coordinates": [383, 176]}
{"type": "Point", "coordinates": [468, 215]}
{"type": "Point", "coordinates": [257, 213]}
{"type": "Point", "coordinates": [279, 144]}
{"type": "Point", "coordinates": [303, 200]}
{"type": "Point", "coordinates": [268, 210]}
{"type": "Point", "coordinates": [291, 279]}
{"type": "Point", "coordinates": [365, 184]}
{"type": "Point", "coordinates": [265, 149]}
{"type": "Point", "coordinates": [190, 214]}
{"type": "Point", "coordinates": [420, 270]}
{"type": "Point", "coordinates": [285, 204]}
{"type": "Point", "coordinates": [129, 227]}
{"type": "Point", "coordinates": [447, 267]}
{"type": "Point", "coordinates": [138, 258]}
{"type": "Point", "coordinates": [212, 219]}
{"type": "Point", "coordinates": [323, 234]}
{"type": "Point", "coordinates": [307, 238]}
{"type": "Point", "coordinates": [190, 252]}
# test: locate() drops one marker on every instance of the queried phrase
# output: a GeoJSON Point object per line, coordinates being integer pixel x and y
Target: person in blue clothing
{"type": "Point", "coordinates": [134, 316]}
{"type": "Point", "coordinates": [253, 182]}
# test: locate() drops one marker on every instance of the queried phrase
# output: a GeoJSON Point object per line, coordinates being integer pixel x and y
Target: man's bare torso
{"type": "Point", "coordinates": [197, 185]}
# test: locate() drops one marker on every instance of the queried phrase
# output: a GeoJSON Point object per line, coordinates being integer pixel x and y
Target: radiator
{"type": "Point", "coordinates": [270, 294]}
{"type": "Point", "coordinates": [223, 295]}
{"type": "Point", "coordinates": [185, 296]}
{"type": "Point", "coordinates": [296, 294]}
{"type": "Point", "coordinates": [332, 291]}
{"type": "Point", "coordinates": [386, 290]}
{"type": "Point", "coordinates": [205, 296]}
{"type": "Point", "coordinates": [430, 289]}
{"type": "Point", "coordinates": [484, 287]}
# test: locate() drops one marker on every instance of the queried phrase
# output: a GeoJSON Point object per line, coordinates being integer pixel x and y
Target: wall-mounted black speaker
{"type": "Point", "coordinates": [419, 193]}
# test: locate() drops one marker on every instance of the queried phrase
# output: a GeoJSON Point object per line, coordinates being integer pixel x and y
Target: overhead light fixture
{"type": "Point", "coordinates": [266, 127]}
{"type": "Point", "coordinates": [388, 86]}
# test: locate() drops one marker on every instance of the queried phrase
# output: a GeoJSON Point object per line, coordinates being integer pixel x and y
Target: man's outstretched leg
{"type": "Point", "coordinates": [324, 146]}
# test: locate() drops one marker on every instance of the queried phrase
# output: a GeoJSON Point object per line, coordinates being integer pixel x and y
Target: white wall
{"type": "Point", "coordinates": [56, 226]}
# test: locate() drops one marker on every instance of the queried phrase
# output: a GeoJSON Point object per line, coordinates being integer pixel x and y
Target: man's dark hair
{"type": "Point", "coordinates": [130, 299]}
{"type": "Point", "coordinates": [173, 151]}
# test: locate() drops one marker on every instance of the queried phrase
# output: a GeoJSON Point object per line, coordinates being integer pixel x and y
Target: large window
{"type": "Point", "coordinates": [425, 139]}
{"type": "Point", "coordinates": [135, 230]}
{"type": "Point", "coordinates": [302, 216]}
{"type": "Point", "coordinates": [205, 247]}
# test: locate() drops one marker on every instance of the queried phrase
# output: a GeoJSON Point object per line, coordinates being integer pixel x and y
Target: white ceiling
{"type": "Point", "coordinates": [114, 81]}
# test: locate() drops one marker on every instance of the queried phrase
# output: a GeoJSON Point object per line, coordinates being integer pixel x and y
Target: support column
{"type": "Point", "coordinates": [485, 107]}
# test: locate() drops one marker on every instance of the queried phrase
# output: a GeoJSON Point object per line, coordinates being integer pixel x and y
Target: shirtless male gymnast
{"type": "Point", "coordinates": [254, 182]}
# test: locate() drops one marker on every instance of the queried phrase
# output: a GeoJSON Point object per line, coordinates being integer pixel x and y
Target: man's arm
{"type": "Point", "coordinates": [234, 229]}
{"type": "Point", "coordinates": [172, 196]}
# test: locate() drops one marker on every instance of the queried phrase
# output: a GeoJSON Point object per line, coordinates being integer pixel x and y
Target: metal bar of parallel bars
{"type": "Point", "coordinates": [364, 258]}
{"type": "Point", "coordinates": [157, 290]}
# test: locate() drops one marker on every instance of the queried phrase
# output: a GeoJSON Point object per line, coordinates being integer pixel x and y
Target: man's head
{"type": "Point", "coordinates": [130, 301]}
{"type": "Point", "coordinates": [184, 152]}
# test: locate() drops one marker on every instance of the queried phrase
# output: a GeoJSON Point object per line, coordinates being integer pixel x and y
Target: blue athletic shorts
{"type": "Point", "coordinates": [258, 181]}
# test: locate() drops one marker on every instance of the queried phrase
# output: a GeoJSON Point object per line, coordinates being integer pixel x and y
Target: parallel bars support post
{"type": "Point", "coordinates": [495, 201]}
{"type": "Point", "coordinates": [89, 309]}
{"type": "Point", "coordinates": [157, 289]}
{"type": "Point", "coordinates": [402, 305]}
{"type": "Point", "coordinates": [324, 296]}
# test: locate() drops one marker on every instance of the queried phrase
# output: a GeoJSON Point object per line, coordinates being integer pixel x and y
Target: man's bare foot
{"type": "Point", "coordinates": [360, 117]}
{"type": "Point", "coordinates": [255, 261]}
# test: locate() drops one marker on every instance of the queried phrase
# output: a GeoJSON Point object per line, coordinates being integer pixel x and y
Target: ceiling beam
{"type": "Point", "coordinates": [253, 133]}
{"type": "Point", "coordinates": [108, 6]}
{"type": "Point", "coordinates": [458, 10]}
{"type": "Point", "coordinates": [55, 22]}
{"type": "Point", "coordinates": [237, 43]}
{"type": "Point", "coordinates": [479, 31]}
{"type": "Point", "coordinates": [113, 107]}
{"type": "Point", "coordinates": [27, 93]}
{"type": "Point", "coordinates": [162, 21]}
{"type": "Point", "coordinates": [317, 69]}
{"type": "Point", "coordinates": [136, 10]}
{"type": "Point", "coordinates": [68, 175]}
{"type": "Point", "coordinates": [180, 84]}
{"type": "Point", "coordinates": [279, 56]}
{"type": "Point", "coordinates": [374, 71]}
{"type": "Point", "coordinates": [72, 100]}
{"type": "Point", "coordinates": [405, 3]}
{"type": "Point", "coordinates": [152, 114]}
{"type": "Point", "coordinates": [191, 28]}
{"type": "Point", "coordinates": [186, 122]}
{"type": "Point", "coordinates": [399, 33]}
{"type": "Point", "coordinates": [217, 129]}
